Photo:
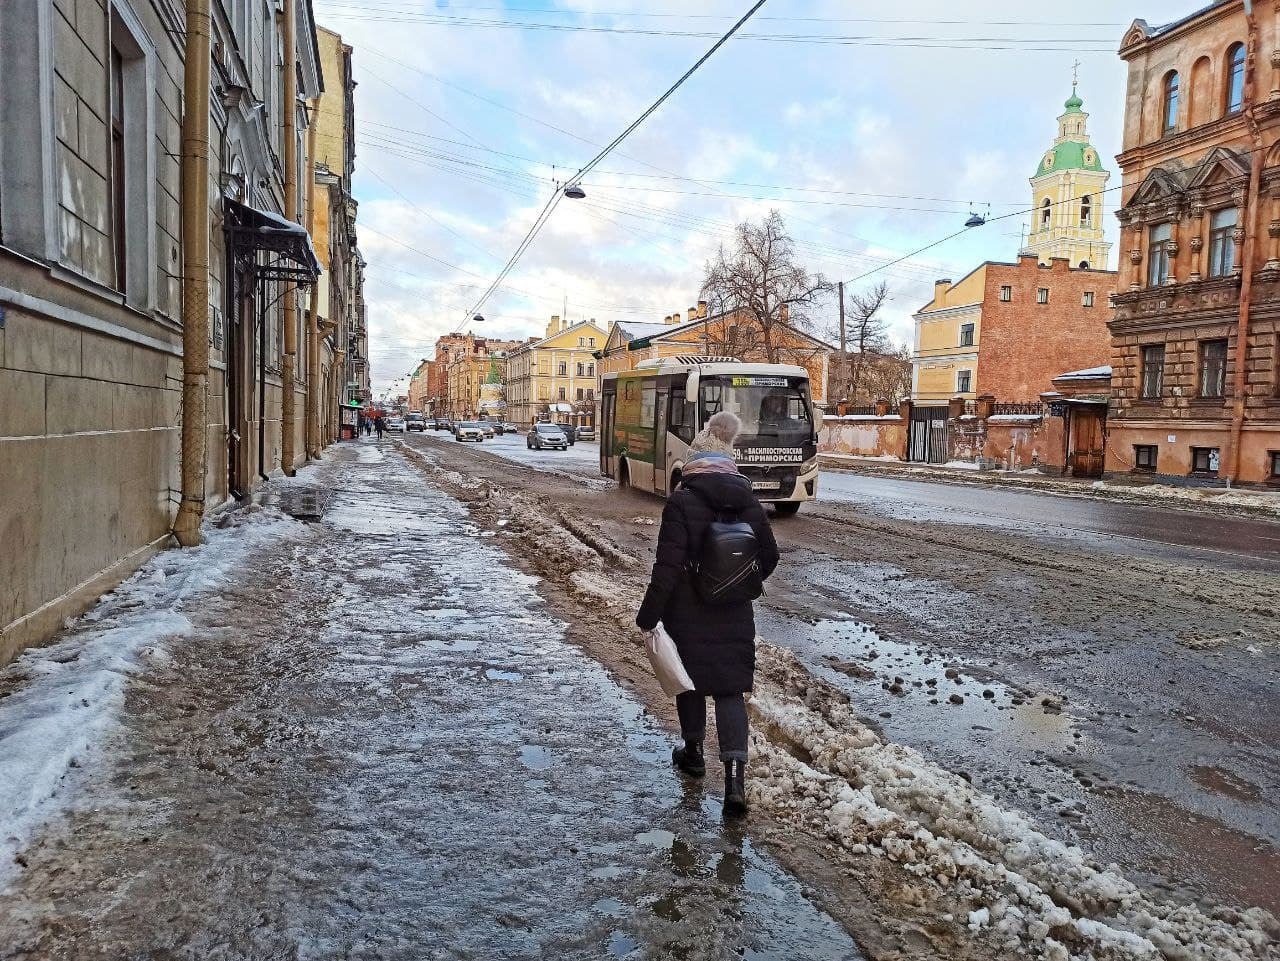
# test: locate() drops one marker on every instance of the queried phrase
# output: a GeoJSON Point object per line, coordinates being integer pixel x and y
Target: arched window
{"type": "Point", "coordinates": [1046, 211]}
{"type": "Point", "coordinates": [1086, 212]}
{"type": "Point", "coordinates": [1235, 78]}
{"type": "Point", "coordinates": [1170, 111]}
{"type": "Point", "coordinates": [1084, 265]}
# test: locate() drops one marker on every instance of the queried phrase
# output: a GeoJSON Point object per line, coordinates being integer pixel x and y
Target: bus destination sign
{"type": "Point", "coordinates": [760, 382]}
{"type": "Point", "coordinates": [768, 455]}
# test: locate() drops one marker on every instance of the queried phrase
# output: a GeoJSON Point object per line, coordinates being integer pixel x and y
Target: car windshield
{"type": "Point", "coordinates": [773, 407]}
{"type": "Point", "coordinates": [548, 429]}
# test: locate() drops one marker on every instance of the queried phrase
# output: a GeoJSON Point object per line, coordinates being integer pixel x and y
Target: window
{"type": "Point", "coordinates": [1086, 212]}
{"type": "Point", "coordinates": [582, 342]}
{"type": "Point", "coordinates": [1084, 265]}
{"type": "Point", "coordinates": [579, 394]}
{"type": "Point", "coordinates": [580, 368]}
{"type": "Point", "coordinates": [966, 335]}
{"type": "Point", "coordinates": [1042, 295]}
{"type": "Point", "coordinates": [591, 393]}
{"type": "Point", "coordinates": [1204, 460]}
{"type": "Point", "coordinates": [1170, 110]}
{"type": "Point", "coordinates": [1235, 78]}
{"type": "Point", "coordinates": [648, 395]}
{"type": "Point", "coordinates": [1222, 245]}
{"type": "Point", "coordinates": [1213, 368]}
{"type": "Point", "coordinates": [1006, 294]}
{"type": "Point", "coordinates": [1087, 299]}
{"type": "Point", "coordinates": [118, 202]}
{"type": "Point", "coordinates": [591, 341]}
{"type": "Point", "coordinates": [1152, 371]}
{"type": "Point", "coordinates": [964, 381]}
{"type": "Point", "coordinates": [1144, 456]}
{"type": "Point", "coordinates": [564, 368]}
{"type": "Point", "coordinates": [1046, 213]}
{"type": "Point", "coordinates": [1273, 457]}
{"type": "Point", "coordinates": [591, 370]}
{"type": "Point", "coordinates": [562, 393]}
{"type": "Point", "coordinates": [1160, 237]}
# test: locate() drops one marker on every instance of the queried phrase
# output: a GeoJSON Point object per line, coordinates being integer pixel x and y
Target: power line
{"type": "Point", "coordinates": [554, 200]}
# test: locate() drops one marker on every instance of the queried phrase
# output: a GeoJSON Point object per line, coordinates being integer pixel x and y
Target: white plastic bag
{"type": "Point", "coordinates": [668, 667]}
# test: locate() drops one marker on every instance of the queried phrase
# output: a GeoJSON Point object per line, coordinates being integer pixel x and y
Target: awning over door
{"type": "Point", "coordinates": [253, 230]}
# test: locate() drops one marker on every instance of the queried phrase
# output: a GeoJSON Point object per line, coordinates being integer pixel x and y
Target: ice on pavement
{"type": "Point", "coordinates": [60, 701]}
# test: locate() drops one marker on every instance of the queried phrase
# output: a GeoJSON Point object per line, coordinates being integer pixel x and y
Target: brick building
{"type": "Point", "coordinates": [1196, 329]}
{"type": "Point", "coordinates": [1009, 329]}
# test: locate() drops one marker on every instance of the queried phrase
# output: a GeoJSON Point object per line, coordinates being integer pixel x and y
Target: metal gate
{"type": "Point", "coordinates": [927, 440]}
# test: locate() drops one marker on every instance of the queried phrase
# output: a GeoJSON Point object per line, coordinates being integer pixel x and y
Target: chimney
{"type": "Point", "coordinates": [702, 310]}
{"type": "Point", "coordinates": [553, 328]}
{"type": "Point", "coordinates": [940, 289]}
{"type": "Point", "coordinates": [784, 313]}
{"type": "Point", "coordinates": [693, 313]}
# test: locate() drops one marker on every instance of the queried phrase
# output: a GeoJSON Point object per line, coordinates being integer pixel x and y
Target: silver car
{"type": "Point", "coordinates": [547, 437]}
{"type": "Point", "coordinates": [469, 431]}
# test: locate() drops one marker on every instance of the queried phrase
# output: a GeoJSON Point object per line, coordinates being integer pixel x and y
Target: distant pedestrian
{"type": "Point", "coordinates": [713, 626]}
{"type": "Point", "coordinates": [379, 424]}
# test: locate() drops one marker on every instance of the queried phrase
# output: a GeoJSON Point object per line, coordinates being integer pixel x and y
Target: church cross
{"type": "Point", "coordinates": [1075, 75]}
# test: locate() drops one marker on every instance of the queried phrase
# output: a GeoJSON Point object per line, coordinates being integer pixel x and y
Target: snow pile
{"type": "Point", "coordinates": [814, 762]}
{"type": "Point", "coordinates": [62, 700]}
{"type": "Point", "coordinates": [1213, 496]}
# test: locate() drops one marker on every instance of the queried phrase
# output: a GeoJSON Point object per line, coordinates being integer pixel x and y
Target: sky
{"type": "Point", "coordinates": [874, 128]}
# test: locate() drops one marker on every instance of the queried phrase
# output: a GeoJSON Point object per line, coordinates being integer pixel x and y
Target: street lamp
{"type": "Point", "coordinates": [575, 192]}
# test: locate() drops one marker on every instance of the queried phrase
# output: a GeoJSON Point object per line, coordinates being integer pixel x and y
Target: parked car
{"type": "Point", "coordinates": [586, 433]}
{"type": "Point", "coordinates": [547, 437]}
{"type": "Point", "coordinates": [488, 428]}
{"type": "Point", "coordinates": [415, 421]}
{"type": "Point", "coordinates": [465, 430]}
{"type": "Point", "coordinates": [510, 428]}
{"type": "Point", "coordinates": [395, 423]}
{"type": "Point", "coordinates": [446, 425]}
{"type": "Point", "coordinates": [570, 434]}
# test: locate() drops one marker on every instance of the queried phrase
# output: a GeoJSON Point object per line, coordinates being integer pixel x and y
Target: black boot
{"type": "Point", "coordinates": [689, 759]}
{"type": "Point", "coordinates": [735, 789]}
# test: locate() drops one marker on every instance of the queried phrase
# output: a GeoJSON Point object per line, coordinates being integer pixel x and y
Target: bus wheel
{"type": "Point", "coordinates": [624, 476]}
{"type": "Point", "coordinates": [786, 508]}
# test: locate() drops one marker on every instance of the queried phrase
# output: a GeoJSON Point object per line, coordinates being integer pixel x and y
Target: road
{"type": "Point", "coordinates": [1117, 664]}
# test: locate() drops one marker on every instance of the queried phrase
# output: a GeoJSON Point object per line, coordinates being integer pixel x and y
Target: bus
{"type": "Point", "coordinates": [649, 416]}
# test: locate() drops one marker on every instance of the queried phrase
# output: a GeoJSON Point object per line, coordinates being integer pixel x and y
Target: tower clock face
{"type": "Point", "coordinates": [1048, 160]}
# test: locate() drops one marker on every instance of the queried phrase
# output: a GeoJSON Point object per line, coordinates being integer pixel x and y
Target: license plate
{"type": "Point", "coordinates": [766, 485]}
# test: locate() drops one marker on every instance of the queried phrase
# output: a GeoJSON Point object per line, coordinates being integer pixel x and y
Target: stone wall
{"type": "Point", "coordinates": [863, 436]}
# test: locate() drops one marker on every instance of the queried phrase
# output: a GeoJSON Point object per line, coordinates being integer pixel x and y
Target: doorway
{"type": "Point", "coordinates": [927, 435]}
{"type": "Point", "coordinates": [1086, 444]}
{"type": "Point", "coordinates": [240, 363]}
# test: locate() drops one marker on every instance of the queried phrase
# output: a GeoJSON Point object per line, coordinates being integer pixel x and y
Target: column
{"type": "Point", "coordinates": [1197, 241]}
{"type": "Point", "coordinates": [1273, 234]}
{"type": "Point", "coordinates": [1134, 267]}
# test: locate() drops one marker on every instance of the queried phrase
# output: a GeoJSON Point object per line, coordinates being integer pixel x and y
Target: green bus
{"type": "Point", "coordinates": [649, 416]}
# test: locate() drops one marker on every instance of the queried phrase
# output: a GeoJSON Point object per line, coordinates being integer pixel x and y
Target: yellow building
{"type": "Point", "coordinates": [555, 378]}
{"type": "Point", "coordinates": [948, 332]}
{"type": "Point", "coordinates": [1068, 195]}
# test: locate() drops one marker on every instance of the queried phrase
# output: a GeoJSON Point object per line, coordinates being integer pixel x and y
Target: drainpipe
{"type": "Point", "coordinates": [1252, 203]}
{"type": "Point", "coordinates": [195, 275]}
{"type": "Point", "coordinates": [313, 311]}
{"type": "Point", "coordinates": [289, 367]}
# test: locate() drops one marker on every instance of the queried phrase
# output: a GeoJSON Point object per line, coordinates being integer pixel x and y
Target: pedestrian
{"type": "Point", "coordinates": [716, 641]}
{"type": "Point", "coordinates": [379, 424]}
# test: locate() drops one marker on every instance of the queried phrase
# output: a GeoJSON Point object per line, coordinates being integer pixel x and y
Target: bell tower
{"type": "Point", "coordinates": [1067, 191]}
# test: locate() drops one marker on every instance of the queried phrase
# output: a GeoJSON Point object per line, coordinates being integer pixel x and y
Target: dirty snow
{"type": "Point", "coordinates": [62, 700]}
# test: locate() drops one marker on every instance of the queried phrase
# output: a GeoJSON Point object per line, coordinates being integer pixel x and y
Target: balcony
{"type": "Point", "coordinates": [1190, 301]}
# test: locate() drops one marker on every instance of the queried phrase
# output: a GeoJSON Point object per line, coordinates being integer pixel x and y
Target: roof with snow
{"type": "Point", "coordinates": [1089, 373]}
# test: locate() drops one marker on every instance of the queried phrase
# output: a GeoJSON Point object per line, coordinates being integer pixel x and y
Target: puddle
{"type": "Point", "coordinates": [497, 674]}
{"type": "Point", "coordinates": [657, 838]}
{"type": "Point", "coordinates": [536, 758]}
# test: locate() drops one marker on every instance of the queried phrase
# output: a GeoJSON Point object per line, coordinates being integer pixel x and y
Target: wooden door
{"type": "Point", "coordinates": [1088, 441]}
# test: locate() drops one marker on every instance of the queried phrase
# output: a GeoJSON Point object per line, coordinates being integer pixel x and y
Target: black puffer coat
{"type": "Point", "coordinates": [716, 642]}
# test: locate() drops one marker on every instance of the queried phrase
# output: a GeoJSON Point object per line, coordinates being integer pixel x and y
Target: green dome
{"type": "Point", "coordinates": [1074, 104]}
{"type": "Point", "coordinates": [1069, 155]}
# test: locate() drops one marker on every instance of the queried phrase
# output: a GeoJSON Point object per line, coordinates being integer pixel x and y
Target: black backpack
{"type": "Point", "coordinates": [727, 570]}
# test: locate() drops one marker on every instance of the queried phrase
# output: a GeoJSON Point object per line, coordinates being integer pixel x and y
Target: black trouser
{"type": "Point", "coordinates": [731, 722]}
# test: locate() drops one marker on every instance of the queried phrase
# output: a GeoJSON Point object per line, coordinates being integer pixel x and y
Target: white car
{"type": "Point", "coordinates": [468, 431]}
{"type": "Point", "coordinates": [395, 423]}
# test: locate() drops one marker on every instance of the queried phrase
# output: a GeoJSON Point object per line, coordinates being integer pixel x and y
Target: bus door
{"type": "Point", "coordinates": [608, 413]}
{"type": "Point", "coordinates": [660, 478]}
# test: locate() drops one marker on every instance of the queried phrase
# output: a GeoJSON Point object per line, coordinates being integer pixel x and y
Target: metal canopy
{"type": "Point", "coordinates": [252, 230]}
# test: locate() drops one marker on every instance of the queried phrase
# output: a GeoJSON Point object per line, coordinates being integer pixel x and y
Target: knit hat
{"type": "Point", "coordinates": [717, 437]}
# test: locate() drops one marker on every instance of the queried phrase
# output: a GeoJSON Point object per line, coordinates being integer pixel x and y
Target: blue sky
{"type": "Point", "coordinates": [871, 147]}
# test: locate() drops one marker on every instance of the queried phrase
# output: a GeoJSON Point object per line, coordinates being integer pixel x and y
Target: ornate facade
{"type": "Point", "coordinates": [1196, 329]}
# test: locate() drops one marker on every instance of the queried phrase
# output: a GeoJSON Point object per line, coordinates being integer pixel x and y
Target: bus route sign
{"type": "Point", "coordinates": [759, 382]}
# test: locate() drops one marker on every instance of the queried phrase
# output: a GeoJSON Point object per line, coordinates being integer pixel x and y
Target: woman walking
{"type": "Point", "coordinates": [716, 641]}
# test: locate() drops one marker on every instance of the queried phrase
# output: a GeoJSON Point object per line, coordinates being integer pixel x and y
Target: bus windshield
{"type": "Point", "coordinates": [772, 407]}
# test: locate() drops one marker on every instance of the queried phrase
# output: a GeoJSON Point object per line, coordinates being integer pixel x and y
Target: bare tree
{"type": "Point", "coordinates": [863, 338]}
{"type": "Point", "coordinates": [760, 284]}
{"type": "Point", "coordinates": [887, 375]}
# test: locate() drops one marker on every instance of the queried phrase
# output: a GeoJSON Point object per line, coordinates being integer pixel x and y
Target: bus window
{"type": "Point", "coordinates": [767, 406]}
{"type": "Point", "coordinates": [679, 419]}
{"type": "Point", "coordinates": [648, 394]}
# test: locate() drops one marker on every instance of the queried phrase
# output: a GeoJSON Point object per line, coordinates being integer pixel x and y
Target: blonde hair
{"type": "Point", "coordinates": [718, 435]}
